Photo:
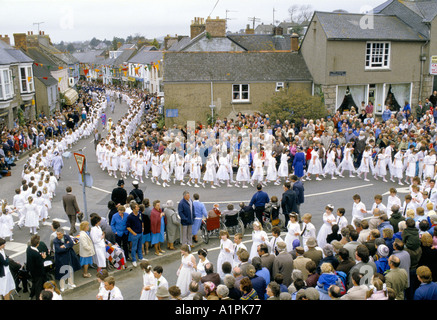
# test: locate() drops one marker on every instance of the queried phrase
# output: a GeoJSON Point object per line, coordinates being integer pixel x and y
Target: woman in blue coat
{"type": "Point", "coordinates": [299, 162]}
{"type": "Point", "coordinates": [66, 260]}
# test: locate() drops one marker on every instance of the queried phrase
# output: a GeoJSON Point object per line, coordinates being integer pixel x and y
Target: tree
{"type": "Point", "coordinates": [300, 14]}
{"type": "Point", "coordinates": [71, 48]}
{"type": "Point", "coordinates": [294, 106]}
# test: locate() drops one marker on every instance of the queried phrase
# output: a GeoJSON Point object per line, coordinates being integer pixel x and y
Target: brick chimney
{"type": "Point", "coordinates": [216, 27]}
{"type": "Point", "coordinates": [249, 30]}
{"type": "Point", "coordinates": [20, 41]}
{"type": "Point", "coordinates": [294, 42]}
{"type": "Point", "coordinates": [169, 41]}
{"type": "Point", "coordinates": [278, 31]}
{"type": "Point", "coordinates": [197, 27]}
{"type": "Point", "coordinates": [5, 39]}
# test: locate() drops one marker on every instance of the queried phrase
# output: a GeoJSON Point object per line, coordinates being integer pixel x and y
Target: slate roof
{"type": "Point", "coordinates": [347, 26]}
{"type": "Point", "coordinates": [413, 13]}
{"type": "Point", "coordinates": [235, 66]}
{"type": "Point", "coordinates": [89, 56]}
{"type": "Point", "coordinates": [262, 42]}
{"type": "Point", "coordinates": [10, 55]}
{"type": "Point", "coordinates": [180, 44]}
{"type": "Point", "coordinates": [41, 72]}
{"type": "Point", "coordinates": [124, 56]}
{"type": "Point", "coordinates": [146, 55]}
{"type": "Point", "coordinates": [39, 57]}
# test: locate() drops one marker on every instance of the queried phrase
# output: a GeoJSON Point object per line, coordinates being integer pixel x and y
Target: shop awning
{"type": "Point", "coordinates": [71, 96]}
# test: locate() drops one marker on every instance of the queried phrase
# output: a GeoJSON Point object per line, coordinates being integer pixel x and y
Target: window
{"type": "Point", "coordinates": [240, 92]}
{"type": "Point", "coordinates": [378, 55]}
{"type": "Point", "coordinates": [26, 79]}
{"type": "Point", "coordinates": [279, 86]}
{"type": "Point", "coordinates": [6, 88]}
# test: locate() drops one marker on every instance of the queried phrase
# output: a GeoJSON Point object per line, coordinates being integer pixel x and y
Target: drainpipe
{"type": "Point", "coordinates": [422, 60]}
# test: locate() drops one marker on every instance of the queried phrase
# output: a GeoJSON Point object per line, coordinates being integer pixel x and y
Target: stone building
{"type": "Point", "coordinates": [382, 57]}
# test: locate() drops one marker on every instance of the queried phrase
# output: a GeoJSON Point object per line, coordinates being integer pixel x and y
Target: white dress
{"type": "Point", "coordinates": [381, 165]}
{"type": "Point", "coordinates": [283, 166]}
{"type": "Point", "coordinates": [256, 241]}
{"type": "Point", "coordinates": [290, 237]}
{"type": "Point", "coordinates": [243, 173]}
{"type": "Point", "coordinates": [347, 162]}
{"type": "Point", "coordinates": [315, 166]}
{"type": "Point", "coordinates": [429, 162]}
{"type": "Point", "coordinates": [258, 173]}
{"type": "Point", "coordinates": [272, 173]}
{"type": "Point", "coordinates": [148, 280]}
{"type": "Point", "coordinates": [31, 213]}
{"type": "Point", "coordinates": [7, 283]}
{"type": "Point", "coordinates": [223, 172]}
{"type": "Point", "coordinates": [411, 167]}
{"type": "Point", "coordinates": [201, 266]}
{"type": "Point", "coordinates": [325, 229]}
{"type": "Point", "coordinates": [99, 245]}
{"type": "Point", "coordinates": [330, 167]}
{"type": "Point", "coordinates": [398, 165]}
{"type": "Point", "coordinates": [179, 170]}
{"type": "Point", "coordinates": [225, 256]}
{"type": "Point", "coordinates": [365, 163]}
{"type": "Point", "coordinates": [184, 277]}
{"type": "Point", "coordinates": [209, 172]}
{"type": "Point", "coordinates": [6, 225]}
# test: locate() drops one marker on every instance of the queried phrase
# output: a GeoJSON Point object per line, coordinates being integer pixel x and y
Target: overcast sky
{"type": "Point", "coordinates": [72, 20]}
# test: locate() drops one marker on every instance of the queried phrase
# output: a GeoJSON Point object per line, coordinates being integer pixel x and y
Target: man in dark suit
{"type": "Point", "coordinates": [289, 201]}
{"type": "Point", "coordinates": [212, 276]}
{"type": "Point", "coordinates": [267, 259]}
{"type": "Point", "coordinates": [187, 214]}
{"type": "Point", "coordinates": [283, 264]}
{"type": "Point", "coordinates": [243, 256]}
{"type": "Point", "coordinates": [35, 266]}
{"type": "Point", "coordinates": [71, 208]}
{"type": "Point", "coordinates": [119, 194]}
{"type": "Point", "coordinates": [299, 190]}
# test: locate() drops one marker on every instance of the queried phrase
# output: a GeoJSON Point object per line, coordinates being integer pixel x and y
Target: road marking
{"type": "Point", "coordinates": [95, 188]}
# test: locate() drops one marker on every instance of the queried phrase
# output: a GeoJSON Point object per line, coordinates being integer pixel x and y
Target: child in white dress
{"type": "Point", "coordinates": [347, 162]}
{"type": "Point", "coordinates": [243, 173]}
{"type": "Point", "coordinates": [6, 222]}
{"type": "Point", "coordinates": [331, 167]}
{"type": "Point", "coordinates": [148, 291]}
{"type": "Point", "coordinates": [223, 172]}
{"type": "Point", "coordinates": [365, 163]}
{"type": "Point", "coordinates": [314, 166]}
{"type": "Point", "coordinates": [293, 231]}
{"type": "Point", "coordinates": [179, 170]}
{"type": "Point", "coordinates": [328, 220]}
{"type": "Point", "coordinates": [209, 172]}
{"type": "Point", "coordinates": [381, 165]}
{"type": "Point", "coordinates": [283, 165]}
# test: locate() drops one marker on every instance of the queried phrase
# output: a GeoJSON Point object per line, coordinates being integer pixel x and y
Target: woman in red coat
{"type": "Point", "coordinates": [157, 227]}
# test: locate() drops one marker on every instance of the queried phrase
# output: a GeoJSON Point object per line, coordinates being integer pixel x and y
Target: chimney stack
{"type": "Point", "coordinates": [5, 39]}
{"type": "Point", "coordinates": [197, 27]}
{"type": "Point", "coordinates": [20, 41]}
{"type": "Point", "coordinates": [278, 31]}
{"type": "Point", "coordinates": [294, 42]}
{"type": "Point", "coordinates": [249, 30]}
{"type": "Point", "coordinates": [216, 27]}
